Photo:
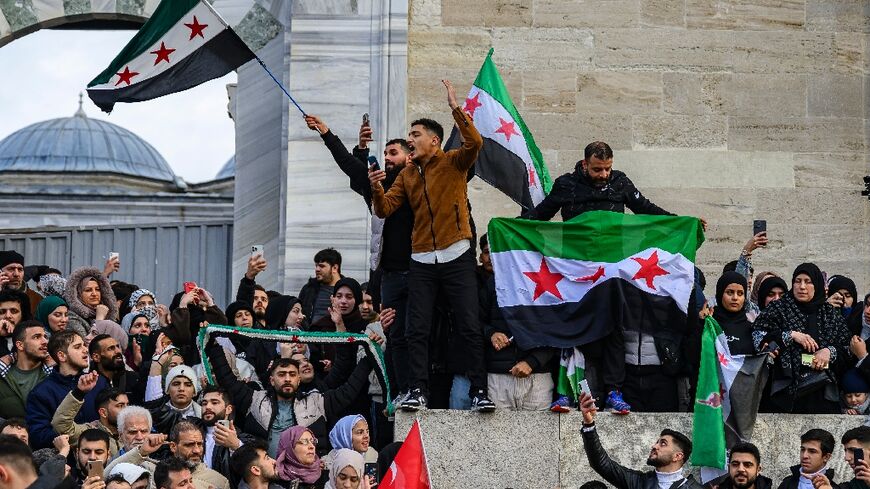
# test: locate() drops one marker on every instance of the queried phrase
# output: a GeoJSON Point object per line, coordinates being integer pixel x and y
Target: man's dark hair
{"type": "Point", "coordinates": [731, 266]}
{"type": "Point", "coordinates": [15, 454]}
{"type": "Point", "coordinates": [18, 333]}
{"type": "Point", "coordinates": [401, 142]}
{"type": "Point", "coordinates": [746, 447]}
{"type": "Point", "coordinates": [593, 485]}
{"type": "Point", "coordinates": [9, 295]}
{"type": "Point", "coordinates": [682, 441]}
{"type": "Point", "coordinates": [167, 465]}
{"type": "Point", "coordinates": [431, 126]}
{"type": "Point", "coordinates": [825, 439]}
{"type": "Point", "coordinates": [598, 149]}
{"type": "Point", "coordinates": [13, 422]}
{"type": "Point", "coordinates": [183, 427]}
{"type": "Point", "coordinates": [94, 346]}
{"type": "Point", "coordinates": [329, 255]}
{"type": "Point", "coordinates": [119, 477]}
{"type": "Point", "coordinates": [281, 362]}
{"type": "Point", "coordinates": [94, 434]}
{"type": "Point", "coordinates": [61, 341]}
{"type": "Point", "coordinates": [246, 456]}
{"type": "Point", "coordinates": [108, 394]}
{"type": "Point", "coordinates": [123, 290]}
{"type": "Point", "coordinates": [260, 288]}
{"type": "Point", "coordinates": [211, 388]}
{"type": "Point", "coordinates": [861, 434]}
{"type": "Point", "coordinates": [484, 241]}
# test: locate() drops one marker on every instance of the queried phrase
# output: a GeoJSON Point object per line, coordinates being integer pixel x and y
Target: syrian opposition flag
{"type": "Point", "coordinates": [509, 160]}
{"type": "Point", "coordinates": [572, 369]}
{"type": "Point", "coordinates": [409, 469]}
{"type": "Point", "coordinates": [183, 44]}
{"type": "Point", "coordinates": [727, 397]}
{"type": "Point", "coordinates": [567, 284]}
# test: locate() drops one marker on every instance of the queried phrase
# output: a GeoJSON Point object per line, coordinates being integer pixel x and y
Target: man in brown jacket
{"type": "Point", "coordinates": [442, 256]}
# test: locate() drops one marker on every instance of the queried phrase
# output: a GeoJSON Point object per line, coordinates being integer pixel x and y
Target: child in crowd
{"type": "Point", "coordinates": [856, 393]}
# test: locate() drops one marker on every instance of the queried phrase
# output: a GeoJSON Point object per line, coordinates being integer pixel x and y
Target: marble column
{"type": "Point", "coordinates": [340, 59]}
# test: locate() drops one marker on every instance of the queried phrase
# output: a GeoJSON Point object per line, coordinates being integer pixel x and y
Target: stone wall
{"type": "Point", "coordinates": [733, 110]}
{"type": "Point", "coordinates": [535, 450]}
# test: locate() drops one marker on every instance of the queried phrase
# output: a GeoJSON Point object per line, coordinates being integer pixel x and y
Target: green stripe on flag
{"type": "Point", "coordinates": [599, 236]}
{"type": "Point", "coordinates": [490, 81]}
{"type": "Point", "coordinates": [708, 426]}
{"type": "Point", "coordinates": [167, 14]}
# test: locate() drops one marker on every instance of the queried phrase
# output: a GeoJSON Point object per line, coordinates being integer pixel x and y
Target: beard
{"type": "Point", "coordinates": [213, 421]}
{"type": "Point", "coordinates": [657, 462]}
{"type": "Point", "coordinates": [750, 481]}
{"type": "Point", "coordinates": [114, 364]}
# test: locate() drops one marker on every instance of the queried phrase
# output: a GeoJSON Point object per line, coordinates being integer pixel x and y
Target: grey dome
{"type": "Point", "coordinates": [79, 144]}
{"type": "Point", "coordinates": [228, 170]}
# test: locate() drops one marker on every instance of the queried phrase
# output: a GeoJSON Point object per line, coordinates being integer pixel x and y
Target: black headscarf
{"type": "Point", "coordinates": [736, 327]}
{"type": "Point", "coordinates": [769, 284]}
{"type": "Point", "coordinates": [841, 282]}
{"type": "Point", "coordinates": [354, 286]}
{"type": "Point", "coordinates": [278, 310]}
{"type": "Point", "coordinates": [818, 280]}
{"type": "Point", "coordinates": [237, 306]}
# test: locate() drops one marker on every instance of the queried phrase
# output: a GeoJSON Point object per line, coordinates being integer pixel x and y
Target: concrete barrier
{"type": "Point", "coordinates": [541, 450]}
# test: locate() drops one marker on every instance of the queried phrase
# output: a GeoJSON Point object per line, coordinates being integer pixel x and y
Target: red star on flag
{"type": "Point", "coordinates": [532, 181]}
{"type": "Point", "coordinates": [594, 277]}
{"type": "Point", "coordinates": [126, 76]}
{"type": "Point", "coordinates": [545, 280]}
{"type": "Point", "coordinates": [507, 128]}
{"type": "Point", "coordinates": [196, 29]}
{"type": "Point", "coordinates": [723, 359]}
{"type": "Point", "coordinates": [471, 104]}
{"type": "Point", "coordinates": [649, 269]}
{"type": "Point", "coordinates": [162, 53]}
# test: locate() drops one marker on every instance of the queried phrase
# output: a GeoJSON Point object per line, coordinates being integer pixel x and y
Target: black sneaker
{"type": "Point", "coordinates": [415, 401]}
{"type": "Point", "coordinates": [481, 403]}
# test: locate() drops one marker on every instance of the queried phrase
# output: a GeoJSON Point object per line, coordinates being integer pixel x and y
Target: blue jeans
{"type": "Point", "coordinates": [394, 294]}
{"type": "Point", "coordinates": [459, 398]}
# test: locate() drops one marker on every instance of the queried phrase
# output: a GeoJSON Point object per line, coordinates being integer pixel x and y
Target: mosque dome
{"type": "Point", "coordinates": [79, 144]}
{"type": "Point", "coordinates": [228, 170]}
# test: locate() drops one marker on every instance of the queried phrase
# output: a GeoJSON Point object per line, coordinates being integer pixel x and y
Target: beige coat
{"type": "Point", "coordinates": [64, 423]}
{"type": "Point", "coordinates": [203, 477]}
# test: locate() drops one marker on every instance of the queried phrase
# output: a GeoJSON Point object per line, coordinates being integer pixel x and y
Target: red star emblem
{"type": "Point", "coordinates": [126, 76]}
{"type": "Point", "coordinates": [592, 278]}
{"type": "Point", "coordinates": [545, 280]}
{"type": "Point", "coordinates": [162, 53]}
{"type": "Point", "coordinates": [507, 128]}
{"type": "Point", "coordinates": [532, 181]}
{"type": "Point", "coordinates": [649, 269]}
{"type": "Point", "coordinates": [196, 29]}
{"type": "Point", "coordinates": [723, 359]}
{"type": "Point", "coordinates": [471, 104]}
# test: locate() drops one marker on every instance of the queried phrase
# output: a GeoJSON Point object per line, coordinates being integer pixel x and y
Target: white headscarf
{"type": "Point", "coordinates": [345, 458]}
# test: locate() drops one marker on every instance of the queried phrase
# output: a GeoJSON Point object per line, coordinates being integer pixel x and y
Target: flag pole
{"type": "Point", "coordinates": [280, 85]}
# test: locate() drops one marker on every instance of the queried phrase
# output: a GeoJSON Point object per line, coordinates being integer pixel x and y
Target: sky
{"type": "Point", "coordinates": [43, 73]}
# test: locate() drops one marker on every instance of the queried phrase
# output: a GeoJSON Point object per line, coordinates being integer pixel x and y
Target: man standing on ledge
{"type": "Point", "coordinates": [668, 455]}
{"type": "Point", "coordinates": [441, 250]}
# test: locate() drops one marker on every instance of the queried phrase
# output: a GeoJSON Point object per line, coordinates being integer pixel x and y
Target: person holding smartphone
{"type": "Point", "coordinates": [856, 453]}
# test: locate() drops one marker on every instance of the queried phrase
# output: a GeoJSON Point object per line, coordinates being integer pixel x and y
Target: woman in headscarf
{"type": "Point", "coordinates": [772, 289]}
{"type": "Point", "coordinates": [347, 471]}
{"type": "Point", "coordinates": [283, 313]}
{"type": "Point", "coordinates": [351, 432]}
{"type": "Point", "coordinates": [53, 313]}
{"type": "Point", "coordinates": [756, 284]}
{"type": "Point", "coordinates": [843, 295]}
{"type": "Point", "coordinates": [138, 329]}
{"type": "Point", "coordinates": [90, 298]}
{"type": "Point", "coordinates": [297, 459]}
{"type": "Point", "coordinates": [143, 301]}
{"type": "Point", "coordinates": [730, 314]}
{"type": "Point", "coordinates": [813, 345]}
{"type": "Point", "coordinates": [344, 313]}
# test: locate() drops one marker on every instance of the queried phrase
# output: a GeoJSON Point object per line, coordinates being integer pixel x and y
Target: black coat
{"type": "Point", "coordinates": [623, 477]}
{"type": "Point", "coordinates": [574, 194]}
{"type": "Point", "coordinates": [791, 482]}
{"type": "Point", "coordinates": [724, 482]}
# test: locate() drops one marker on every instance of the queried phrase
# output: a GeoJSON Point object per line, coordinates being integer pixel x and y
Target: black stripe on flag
{"type": "Point", "coordinates": [217, 57]}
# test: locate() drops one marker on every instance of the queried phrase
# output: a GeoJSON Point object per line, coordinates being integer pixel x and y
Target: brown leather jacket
{"type": "Point", "coordinates": [437, 192]}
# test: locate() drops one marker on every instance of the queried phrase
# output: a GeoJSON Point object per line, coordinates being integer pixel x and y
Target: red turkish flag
{"type": "Point", "coordinates": [408, 470]}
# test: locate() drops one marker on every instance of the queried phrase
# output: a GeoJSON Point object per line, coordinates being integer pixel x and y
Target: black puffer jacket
{"type": "Point", "coordinates": [724, 482]}
{"type": "Point", "coordinates": [622, 477]}
{"type": "Point", "coordinates": [792, 481]}
{"type": "Point", "coordinates": [573, 194]}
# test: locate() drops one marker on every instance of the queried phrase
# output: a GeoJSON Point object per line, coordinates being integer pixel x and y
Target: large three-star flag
{"type": "Point", "coordinates": [509, 160]}
{"type": "Point", "coordinates": [183, 44]}
{"type": "Point", "coordinates": [567, 284]}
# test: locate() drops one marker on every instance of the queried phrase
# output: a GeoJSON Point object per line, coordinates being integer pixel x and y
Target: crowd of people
{"type": "Point", "coordinates": [103, 387]}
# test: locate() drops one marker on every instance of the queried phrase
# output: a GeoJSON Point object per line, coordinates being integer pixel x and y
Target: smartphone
{"type": "Point", "coordinates": [257, 250]}
{"type": "Point", "coordinates": [584, 387]}
{"type": "Point", "coordinates": [807, 359]}
{"type": "Point", "coordinates": [366, 119]}
{"type": "Point", "coordinates": [371, 470]}
{"type": "Point", "coordinates": [857, 454]}
{"type": "Point", "coordinates": [95, 468]}
{"type": "Point", "coordinates": [759, 226]}
{"type": "Point", "coordinates": [114, 254]}
{"type": "Point", "coordinates": [373, 163]}
{"type": "Point", "coordinates": [224, 422]}
{"type": "Point", "coordinates": [188, 286]}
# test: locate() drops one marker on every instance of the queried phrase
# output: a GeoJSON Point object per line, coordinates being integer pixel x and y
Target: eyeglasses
{"type": "Point", "coordinates": [307, 441]}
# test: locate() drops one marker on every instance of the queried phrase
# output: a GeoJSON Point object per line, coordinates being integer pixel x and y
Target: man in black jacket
{"type": "Point", "coordinates": [817, 445]}
{"type": "Point", "coordinates": [391, 250]}
{"type": "Point", "coordinates": [854, 440]}
{"type": "Point", "coordinates": [222, 437]}
{"type": "Point", "coordinates": [668, 455]}
{"type": "Point", "coordinates": [316, 294]}
{"type": "Point", "coordinates": [744, 469]}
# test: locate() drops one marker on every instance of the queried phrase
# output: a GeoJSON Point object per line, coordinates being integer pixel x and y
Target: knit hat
{"type": "Point", "coordinates": [8, 257]}
{"type": "Point", "coordinates": [52, 284]}
{"type": "Point", "coordinates": [138, 294]}
{"type": "Point", "coordinates": [181, 371]}
{"type": "Point", "coordinates": [46, 306]}
{"type": "Point", "coordinates": [131, 472]}
{"type": "Point", "coordinates": [853, 382]}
